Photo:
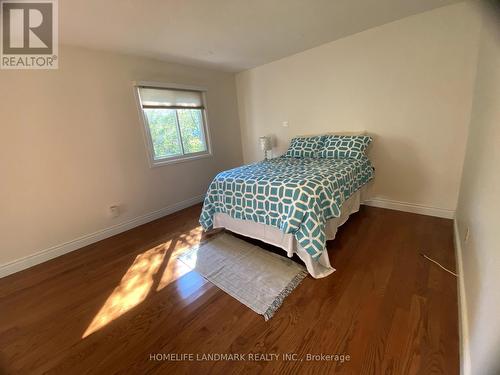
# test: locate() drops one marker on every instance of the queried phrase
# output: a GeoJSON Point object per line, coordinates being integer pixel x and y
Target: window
{"type": "Point", "coordinates": [174, 121]}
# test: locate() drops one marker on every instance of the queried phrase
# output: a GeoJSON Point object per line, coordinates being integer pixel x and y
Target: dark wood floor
{"type": "Point", "coordinates": [107, 307]}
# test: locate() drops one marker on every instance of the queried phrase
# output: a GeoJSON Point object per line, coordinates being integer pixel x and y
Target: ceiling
{"type": "Point", "coordinates": [230, 35]}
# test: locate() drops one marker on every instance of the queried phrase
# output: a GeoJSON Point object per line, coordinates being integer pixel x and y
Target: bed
{"type": "Point", "coordinates": [295, 203]}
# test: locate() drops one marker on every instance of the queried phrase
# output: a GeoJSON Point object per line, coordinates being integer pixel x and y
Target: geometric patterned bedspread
{"type": "Point", "coordinates": [295, 195]}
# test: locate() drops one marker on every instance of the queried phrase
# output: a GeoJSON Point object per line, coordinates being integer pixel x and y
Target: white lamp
{"type": "Point", "coordinates": [265, 145]}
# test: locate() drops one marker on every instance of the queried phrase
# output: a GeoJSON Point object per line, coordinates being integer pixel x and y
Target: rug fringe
{"type": "Point", "coordinates": [278, 301]}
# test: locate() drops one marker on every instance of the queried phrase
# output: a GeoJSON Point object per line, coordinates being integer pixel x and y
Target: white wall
{"type": "Point", "coordinates": [479, 207]}
{"type": "Point", "coordinates": [71, 145]}
{"type": "Point", "coordinates": [409, 83]}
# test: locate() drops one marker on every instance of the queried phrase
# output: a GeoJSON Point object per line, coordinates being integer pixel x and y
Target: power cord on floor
{"type": "Point", "coordinates": [444, 268]}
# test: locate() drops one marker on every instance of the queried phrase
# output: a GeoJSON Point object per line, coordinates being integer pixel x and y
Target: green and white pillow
{"type": "Point", "coordinates": [304, 147]}
{"type": "Point", "coordinates": [344, 146]}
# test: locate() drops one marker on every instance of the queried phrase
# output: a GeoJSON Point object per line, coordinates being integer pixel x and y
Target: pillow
{"type": "Point", "coordinates": [304, 147]}
{"type": "Point", "coordinates": [344, 146]}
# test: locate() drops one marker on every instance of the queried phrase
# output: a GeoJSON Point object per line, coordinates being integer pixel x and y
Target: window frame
{"type": "Point", "coordinates": [147, 132]}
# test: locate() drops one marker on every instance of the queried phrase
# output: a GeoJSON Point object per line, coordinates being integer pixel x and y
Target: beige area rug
{"type": "Point", "coordinates": [257, 278]}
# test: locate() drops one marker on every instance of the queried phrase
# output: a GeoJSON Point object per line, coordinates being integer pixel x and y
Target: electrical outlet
{"type": "Point", "coordinates": [284, 124]}
{"type": "Point", "coordinates": [467, 234]}
{"type": "Point", "coordinates": [114, 211]}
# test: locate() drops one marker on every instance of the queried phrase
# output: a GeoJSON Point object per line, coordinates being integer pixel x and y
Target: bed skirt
{"type": "Point", "coordinates": [272, 235]}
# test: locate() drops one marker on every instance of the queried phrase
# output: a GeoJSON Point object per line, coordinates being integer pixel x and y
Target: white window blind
{"type": "Point", "coordinates": [170, 98]}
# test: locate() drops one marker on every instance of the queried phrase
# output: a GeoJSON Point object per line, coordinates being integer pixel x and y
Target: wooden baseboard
{"type": "Point", "coordinates": [58, 250]}
{"type": "Point", "coordinates": [410, 207]}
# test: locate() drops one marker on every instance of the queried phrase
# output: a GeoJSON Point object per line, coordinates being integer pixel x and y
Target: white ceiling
{"type": "Point", "coordinates": [231, 35]}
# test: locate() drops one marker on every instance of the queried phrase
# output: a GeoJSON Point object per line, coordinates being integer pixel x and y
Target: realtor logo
{"type": "Point", "coordinates": [28, 34]}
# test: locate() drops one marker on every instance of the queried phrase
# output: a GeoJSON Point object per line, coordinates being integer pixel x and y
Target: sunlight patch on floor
{"type": "Point", "coordinates": [176, 269]}
{"type": "Point", "coordinates": [142, 276]}
{"type": "Point", "coordinates": [133, 288]}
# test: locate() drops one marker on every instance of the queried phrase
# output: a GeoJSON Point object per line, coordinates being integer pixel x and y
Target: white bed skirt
{"type": "Point", "coordinates": [272, 235]}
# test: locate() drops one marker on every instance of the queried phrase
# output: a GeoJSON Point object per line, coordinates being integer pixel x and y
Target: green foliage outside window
{"type": "Point", "coordinates": [190, 121]}
{"type": "Point", "coordinates": [165, 134]}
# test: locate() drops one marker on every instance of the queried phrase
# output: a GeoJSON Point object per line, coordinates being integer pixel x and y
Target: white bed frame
{"type": "Point", "coordinates": [272, 235]}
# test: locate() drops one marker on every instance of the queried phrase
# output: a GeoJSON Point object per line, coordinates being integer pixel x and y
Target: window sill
{"type": "Point", "coordinates": [178, 159]}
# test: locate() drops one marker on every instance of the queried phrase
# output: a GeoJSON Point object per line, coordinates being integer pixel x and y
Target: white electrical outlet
{"type": "Point", "coordinates": [467, 234]}
{"type": "Point", "coordinates": [114, 211]}
{"type": "Point", "coordinates": [284, 124]}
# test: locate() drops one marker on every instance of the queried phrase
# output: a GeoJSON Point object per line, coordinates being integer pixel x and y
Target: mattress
{"type": "Point", "coordinates": [297, 196]}
{"type": "Point", "coordinates": [317, 268]}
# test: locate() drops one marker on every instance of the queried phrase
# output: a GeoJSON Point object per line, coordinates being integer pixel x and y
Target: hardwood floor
{"type": "Point", "coordinates": [109, 307]}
